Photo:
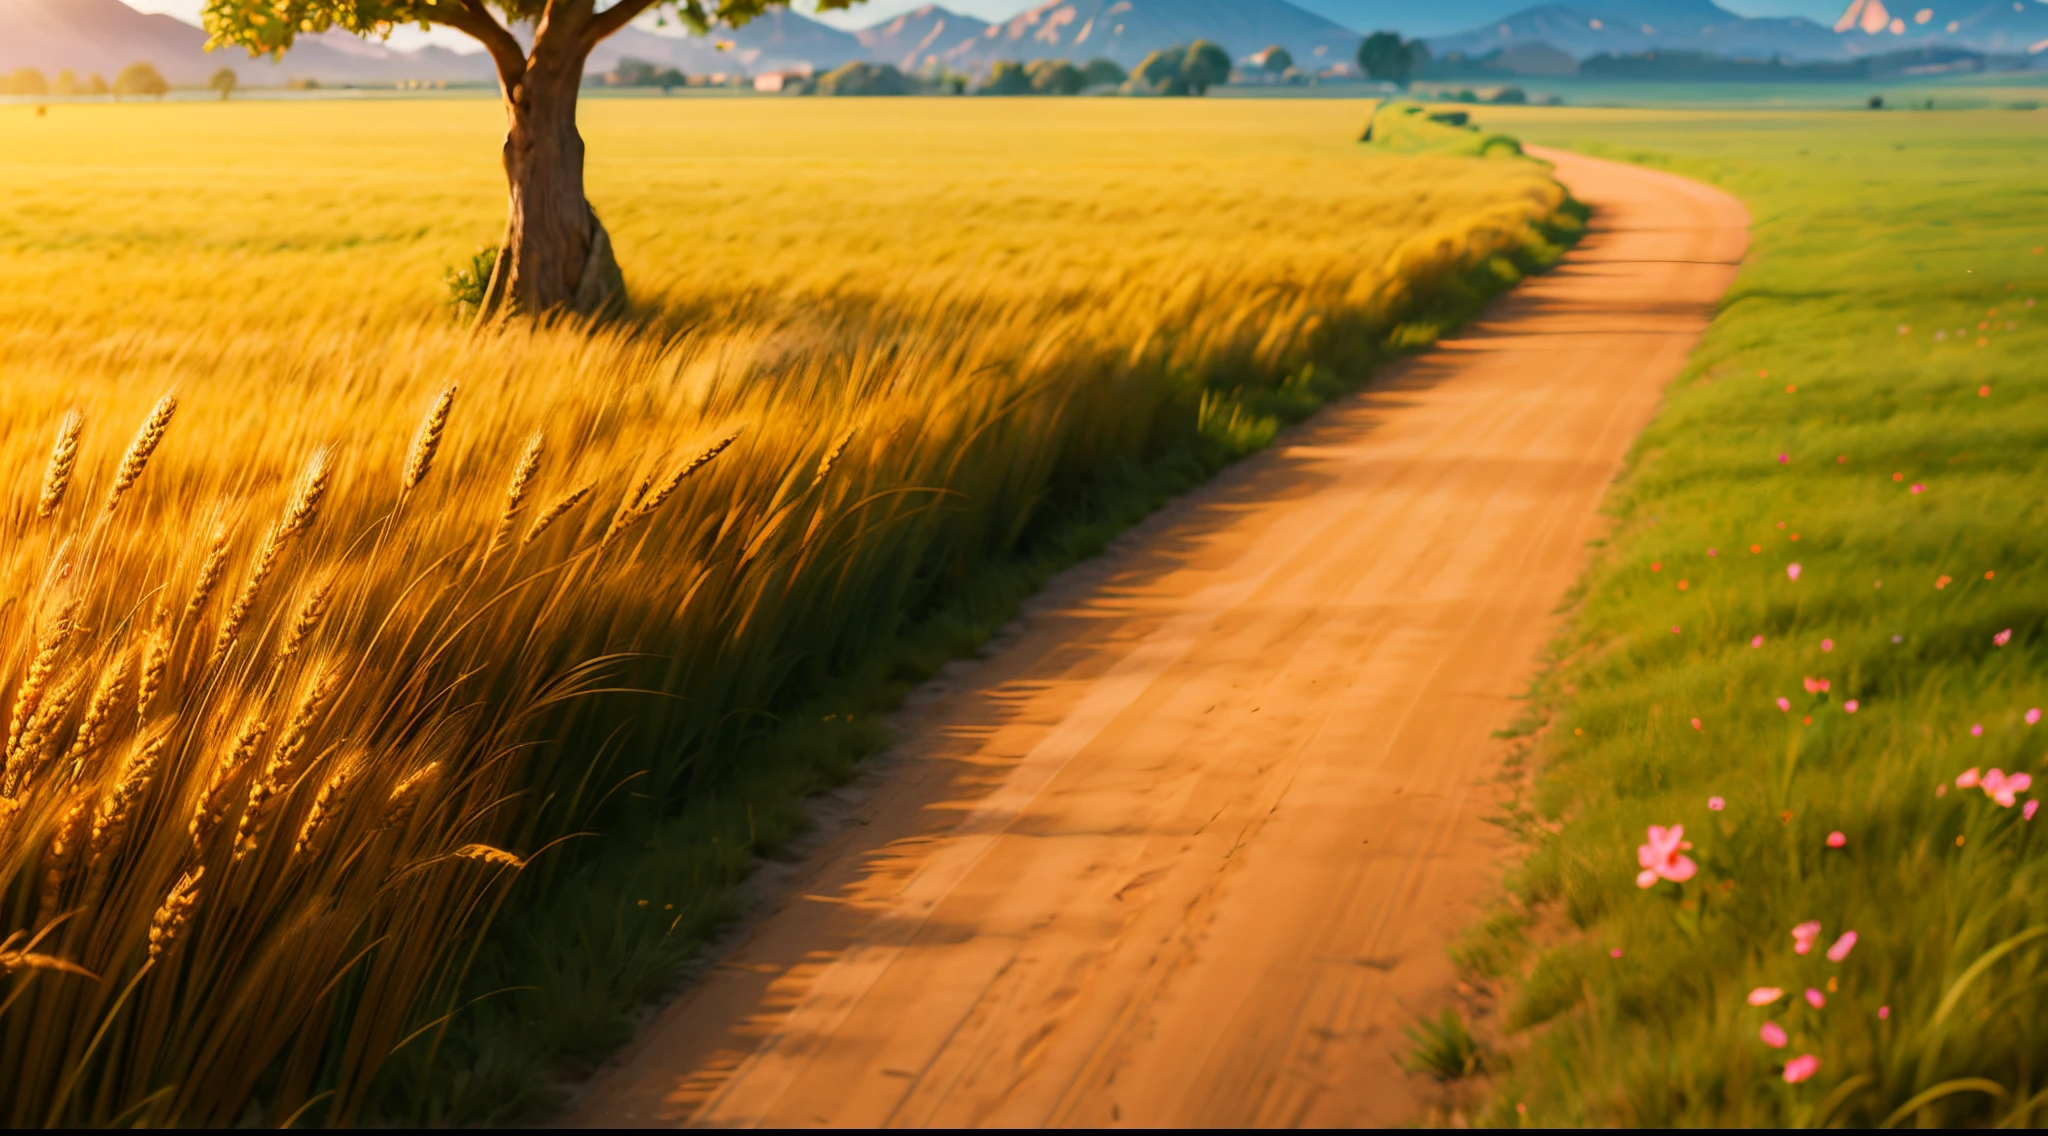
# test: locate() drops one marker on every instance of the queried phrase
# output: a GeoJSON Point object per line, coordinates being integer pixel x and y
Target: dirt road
{"type": "Point", "coordinates": [1189, 847]}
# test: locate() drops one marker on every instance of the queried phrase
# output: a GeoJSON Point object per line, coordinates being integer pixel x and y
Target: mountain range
{"type": "Point", "coordinates": [105, 35]}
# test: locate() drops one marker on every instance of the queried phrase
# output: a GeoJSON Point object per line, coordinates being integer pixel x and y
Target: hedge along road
{"type": "Point", "coordinates": [1188, 846]}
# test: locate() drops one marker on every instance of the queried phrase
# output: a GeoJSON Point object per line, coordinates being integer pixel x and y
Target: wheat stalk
{"type": "Point", "coordinates": [271, 780]}
{"type": "Point", "coordinates": [156, 659]}
{"type": "Point", "coordinates": [22, 766]}
{"type": "Point", "coordinates": [832, 457]}
{"type": "Point", "coordinates": [105, 696]}
{"type": "Point", "coordinates": [170, 918]}
{"type": "Point", "coordinates": [644, 502]}
{"type": "Point", "coordinates": [39, 670]}
{"type": "Point", "coordinates": [325, 804]}
{"type": "Point", "coordinates": [112, 818]}
{"type": "Point", "coordinates": [405, 796]}
{"type": "Point", "coordinates": [213, 803]}
{"type": "Point", "coordinates": [146, 441]}
{"type": "Point", "coordinates": [210, 571]}
{"type": "Point", "coordinates": [310, 614]}
{"type": "Point", "coordinates": [64, 847]}
{"type": "Point", "coordinates": [424, 443]}
{"type": "Point", "coordinates": [522, 483]}
{"type": "Point", "coordinates": [245, 600]}
{"type": "Point", "coordinates": [489, 855]}
{"type": "Point", "coordinates": [554, 513]}
{"type": "Point", "coordinates": [63, 459]}
{"type": "Point", "coordinates": [312, 487]}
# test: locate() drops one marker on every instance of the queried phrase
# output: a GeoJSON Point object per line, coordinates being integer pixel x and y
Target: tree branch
{"type": "Point", "coordinates": [613, 18]}
{"type": "Point", "coordinates": [472, 19]}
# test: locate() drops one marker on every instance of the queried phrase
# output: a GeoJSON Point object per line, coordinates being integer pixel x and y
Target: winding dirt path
{"type": "Point", "coordinates": [1188, 846]}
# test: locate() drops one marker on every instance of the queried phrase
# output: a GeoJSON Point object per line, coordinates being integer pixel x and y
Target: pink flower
{"type": "Point", "coordinates": [1803, 936]}
{"type": "Point", "coordinates": [1967, 779]}
{"type": "Point", "coordinates": [1919, 488]}
{"type": "Point", "coordinates": [1661, 858]}
{"type": "Point", "coordinates": [1765, 995]}
{"type": "Point", "coordinates": [1792, 570]}
{"type": "Point", "coordinates": [1711, 552]}
{"type": "Point", "coordinates": [1884, 1012]}
{"type": "Point", "coordinates": [1815, 998]}
{"type": "Point", "coordinates": [1716, 804]}
{"type": "Point", "coordinates": [1773, 1035]}
{"type": "Point", "coordinates": [1785, 704]}
{"type": "Point", "coordinates": [1977, 731]}
{"type": "Point", "coordinates": [2033, 715]}
{"type": "Point", "coordinates": [1759, 641]}
{"type": "Point", "coordinates": [1783, 458]}
{"type": "Point", "coordinates": [1842, 947]}
{"type": "Point", "coordinates": [2002, 638]}
{"type": "Point", "coordinates": [2032, 807]}
{"type": "Point", "coordinates": [1816, 685]}
{"type": "Point", "coordinates": [1615, 953]}
{"type": "Point", "coordinates": [1674, 629]}
{"type": "Point", "coordinates": [2005, 788]}
{"type": "Point", "coordinates": [1696, 725]}
{"type": "Point", "coordinates": [1837, 840]}
{"type": "Point", "coordinates": [1800, 1068]}
{"type": "Point", "coordinates": [1827, 644]}
{"type": "Point", "coordinates": [1851, 706]}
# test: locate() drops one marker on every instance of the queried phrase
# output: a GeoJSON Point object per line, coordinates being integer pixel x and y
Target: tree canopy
{"type": "Point", "coordinates": [1384, 57]}
{"type": "Point", "coordinates": [1187, 70]}
{"type": "Point", "coordinates": [223, 81]}
{"type": "Point", "coordinates": [140, 79]}
{"type": "Point", "coordinates": [1276, 60]}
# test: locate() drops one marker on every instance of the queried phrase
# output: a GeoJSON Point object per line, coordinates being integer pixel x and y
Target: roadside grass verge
{"type": "Point", "coordinates": [1816, 631]}
{"type": "Point", "coordinates": [397, 711]}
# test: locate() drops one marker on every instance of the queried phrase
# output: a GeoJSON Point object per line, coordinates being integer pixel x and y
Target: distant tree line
{"type": "Point", "coordinates": [134, 79]}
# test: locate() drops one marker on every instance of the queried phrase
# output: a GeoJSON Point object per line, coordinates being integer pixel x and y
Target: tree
{"type": "Point", "coordinates": [1056, 77]}
{"type": "Point", "coordinates": [864, 79]}
{"type": "Point", "coordinates": [97, 84]}
{"type": "Point", "coordinates": [1104, 73]}
{"type": "Point", "coordinates": [223, 81]}
{"type": "Point", "coordinates": [1275, 60]}
{"type": "Point", "coordinates": [1384, 57]}
{"type": "Point", "coordinates": [1007, 79]}
{"type": "Point", "coordinates": [555, 254]}
{"type": "Point", "coordinates": [140, 79]}
{"type": "Point", "coordinates": [67, 83]}
{"type": "Point", "coordinates": [1206, 66]}
{"type": "Point", "coordinates": [27, 81]}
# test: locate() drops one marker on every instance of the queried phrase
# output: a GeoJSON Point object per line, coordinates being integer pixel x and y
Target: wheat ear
{"type": "Point", "coordinates": [326, 803]}
{"type": "Point", "coordinates": [428, 440]}
{"type": "Point", "coordinates": [63, 459]}
{"type": "Point", "coordinates": [210, 571]}
{"type": "Point", "coordinates": [213, 804]}
{"type": "Point", "coordinates": [156, 659]}
{"type": "Point", "coordinates": [648, 502]}
{"type": "Point", "coordinates": [99, 711]}
{"type": "Point", "coordinates": [310, 614]}
{"type": "Point", "coordinates": [554, 513]}
{"type": "Point", "coordinates": [39, 670]}
{"type": "Point", "coordinates": [522, 484]}
{"type": "Point", "coordinates": [405, 796]}
{"type": "Point", "coordinates": [111, 821]}
{"type": "Point", "coordinates": [146, 441]}
{"type": "Point", "coordinates": [832, 457]}
{"type": "Point", "coordinates": [271, 781]}
{"type": "Point", "coordinates": [170, 918]}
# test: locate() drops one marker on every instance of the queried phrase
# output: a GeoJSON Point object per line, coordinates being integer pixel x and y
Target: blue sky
{"type": "Point", "coordinates": [875, 11]}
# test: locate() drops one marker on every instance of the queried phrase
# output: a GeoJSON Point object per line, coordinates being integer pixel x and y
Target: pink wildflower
{"type": "Point", "coordinates": [1696, 725]}
{"type": "Point", "coordinates": [1851, 706]}
{"type": "Point", "coordinates": [1815, 998]}
{"type": "Point", "coordinates": [2002, 638]}
{"type": "Point", "coordinates": [1785, 704]}
{"type": "Point", "coordinates": [1615, 953]}
{"type": "Point", "coordinates": [1816, 685]}
{"type": "Point", "coordinates": [1800, 1068]}
{"type": "Point", "coordinates": [2031, 808]}
{"type": "Point", "coordinates": [1842, 947]}
{"type": "Point", "coordinates": [1716, 804]}
{"type": "Point", "coordinates": [1803, 936]}
{"type": "Point", "coordinates": [1837, 840]}
{"type": "Point", "coordinates": [1884, 1012]}
{"type": "Point", "coordinates": [1759, 641]}
{"type": "Point", "coordinates": [1919, 488]}
{"type": "Point", "coordinates": [1827, 644]}
{"type": "Point", "coordinates": [2033, 715]}
{"type": "Point", "coordinates": [1977, 731]}
{"type": "Point", "coordinates": [1783, 458]}
{"type": "Point", "coordinates": [1765, 995]}
{"type": "Point", "coordinates": [1968, 778]}
{"type": "Point", "coordinates": [1773, 1035]}
{"type": "Point", "coordinates": [1792, 570]}
{"type": "Point", "coordinates": [2005, 788]}
{"type": "Point", "coordinates": [1661, 858]}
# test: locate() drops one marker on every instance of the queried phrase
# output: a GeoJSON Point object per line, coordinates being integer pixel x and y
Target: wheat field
{"type": "Point", "coordinates": [321, 618]}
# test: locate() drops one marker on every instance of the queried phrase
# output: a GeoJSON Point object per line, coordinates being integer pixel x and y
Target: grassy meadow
{"type": "Point", "coordinates": [391, 710]}
{"type": "Point", "coordinates": [1815, 636]}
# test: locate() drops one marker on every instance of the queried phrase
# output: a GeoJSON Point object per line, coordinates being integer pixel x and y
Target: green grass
{"type": "Point", "coordinates": [1872, 233]}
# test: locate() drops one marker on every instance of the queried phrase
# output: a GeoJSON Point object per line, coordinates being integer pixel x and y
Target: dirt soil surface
{"type": "Point", "coordinates": [1187, 847]}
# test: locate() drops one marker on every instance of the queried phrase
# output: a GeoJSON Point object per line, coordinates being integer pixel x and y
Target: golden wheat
{"type": "Point", "coordinates": [57, 474]}
{"type": "Point", "coordinates": [145, 444]}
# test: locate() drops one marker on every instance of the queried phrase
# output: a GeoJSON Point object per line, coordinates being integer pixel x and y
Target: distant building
{"type": "Point", "coordinates": [774, 81]}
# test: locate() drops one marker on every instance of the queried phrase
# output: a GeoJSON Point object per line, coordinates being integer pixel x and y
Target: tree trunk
{"type": "Point", "coordinates": [556, 256]}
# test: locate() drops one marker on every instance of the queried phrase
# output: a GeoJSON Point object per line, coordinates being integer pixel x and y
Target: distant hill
{"type": "Point", "coordinates": [1585, 28]}
{"type": "Point", "coordinates": [929, 36]}
{"type": "Point", "coordinates": [1128, 30]}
